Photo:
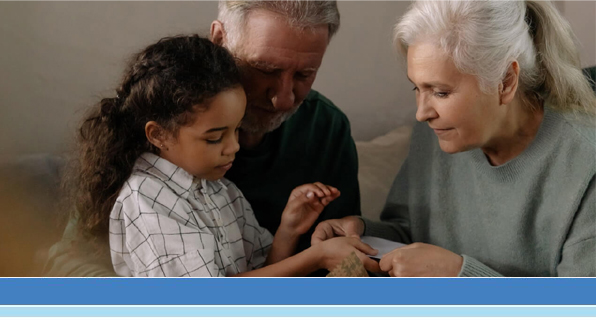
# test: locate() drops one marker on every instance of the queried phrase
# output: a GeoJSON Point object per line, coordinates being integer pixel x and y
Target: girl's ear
{"type": "Point", "coordinates": [508, 86]}
{"type": "Point", "coordinates": [156, 135]}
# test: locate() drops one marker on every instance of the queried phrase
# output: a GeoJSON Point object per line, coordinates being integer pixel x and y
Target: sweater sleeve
{"type": "Point", "coordinates": [578, 255]}
{"type": "Point", "coordinates": [395, 218]}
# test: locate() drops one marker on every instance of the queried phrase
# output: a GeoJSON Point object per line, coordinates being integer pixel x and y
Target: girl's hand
{"type": "Point", "coordinates": [333, 251]}
{"type": "Point", "coordinates": [304, 207]}
{"type": "Point", "coordinates": [421, 260]}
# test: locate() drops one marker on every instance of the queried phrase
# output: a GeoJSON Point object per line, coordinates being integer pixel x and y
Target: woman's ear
{"type": "Point", "coordinates": [156, 135]}
{"type": "Point", "coordinates": [508, 86]}
{"type": "Point", "coordinates": [218, 33]}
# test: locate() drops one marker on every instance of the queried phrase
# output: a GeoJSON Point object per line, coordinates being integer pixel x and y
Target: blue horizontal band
{"type": "Point", "coordinates": [297, 291]}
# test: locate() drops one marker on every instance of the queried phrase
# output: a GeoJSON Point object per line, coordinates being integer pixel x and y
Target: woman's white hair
{"type": "Point", "coordinates": [483, 38]}
{"type": "Point", "coordinates": [301, 14]}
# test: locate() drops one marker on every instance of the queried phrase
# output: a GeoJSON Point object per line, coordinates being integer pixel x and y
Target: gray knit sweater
{"type": "Point", "coordinates": [532, 216]}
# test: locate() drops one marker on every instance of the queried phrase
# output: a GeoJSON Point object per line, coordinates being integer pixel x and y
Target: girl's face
{"type": "Point", "coordinates": [206, 148]}
{"type": "Point", "coordinates": [462, 116]}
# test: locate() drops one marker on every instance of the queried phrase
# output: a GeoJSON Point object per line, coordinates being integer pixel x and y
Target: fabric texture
{"type": "Point", "coordinates": [379, 161]}
{"type": "Point", "coordinates": [168, 223]}
{"type": "Point", "coordinates": [532, 216]}
{"type": "Point", "coordinates": [315, 144]}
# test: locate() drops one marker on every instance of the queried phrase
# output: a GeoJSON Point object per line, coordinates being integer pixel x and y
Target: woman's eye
{"type": "Point", "coordinates": [442, 94]}
{"type": "Point", "coordinates": [214, 141]}
{"type": "Point", "coordinates": [415, 89]}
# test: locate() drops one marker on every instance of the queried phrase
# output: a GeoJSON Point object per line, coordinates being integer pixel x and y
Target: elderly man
{"type": "Point", "coordinates": [291, 134]}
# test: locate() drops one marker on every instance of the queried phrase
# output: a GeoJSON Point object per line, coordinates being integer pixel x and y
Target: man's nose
{"type": "Point", "coordinates": [425, 111]}
{"type": "Point", "coordinates": [282, 94]}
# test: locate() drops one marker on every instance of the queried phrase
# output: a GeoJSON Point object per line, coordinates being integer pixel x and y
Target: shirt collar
{"type": "Point", "coordinates": [176, 177]}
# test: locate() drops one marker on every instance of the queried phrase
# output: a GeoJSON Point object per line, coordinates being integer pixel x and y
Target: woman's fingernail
{"type": "Point", "coordinates": [309, 195]}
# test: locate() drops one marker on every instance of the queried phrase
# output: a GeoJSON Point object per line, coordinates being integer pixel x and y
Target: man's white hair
{"type": "Point", "coordinates": [483, 38]}
{"type": "Point", "coordinates": [299, 14]}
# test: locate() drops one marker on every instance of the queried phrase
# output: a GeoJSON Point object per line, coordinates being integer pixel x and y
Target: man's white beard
{"type": "Point", "coordinates": [251, 122]}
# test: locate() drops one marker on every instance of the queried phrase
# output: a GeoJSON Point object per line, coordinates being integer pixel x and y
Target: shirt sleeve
{"type": "Point", "coordinates": [578, 256]}
{"type": "Point", "coordinates": [153, 231]}
{"type": "Point", "coordinates": [257, 240]}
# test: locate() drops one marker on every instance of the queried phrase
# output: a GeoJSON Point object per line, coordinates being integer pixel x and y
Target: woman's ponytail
{"type": "Point", "coordinates": [564, 85]}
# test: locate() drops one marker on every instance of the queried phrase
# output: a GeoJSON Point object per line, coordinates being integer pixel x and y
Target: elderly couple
{"type": "Point", "coordinates": [500, 176]}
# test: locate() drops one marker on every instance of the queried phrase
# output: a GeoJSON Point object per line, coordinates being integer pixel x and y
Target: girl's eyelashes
{"type": "Point", "coordinates": [214, 141]}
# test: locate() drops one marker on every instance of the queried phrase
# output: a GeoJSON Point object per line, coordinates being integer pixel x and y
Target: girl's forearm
{"type": "Point", "coordinates": [283, 246]}
{"type": "Point", "coordinates": [299, 265]}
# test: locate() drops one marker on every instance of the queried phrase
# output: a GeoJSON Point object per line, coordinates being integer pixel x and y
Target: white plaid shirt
{"type": "Point", "coordinates": [167, 223]}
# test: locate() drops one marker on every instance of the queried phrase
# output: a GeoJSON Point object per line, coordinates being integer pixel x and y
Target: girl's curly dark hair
{"type": "Point", "coordinates": [165, 83]}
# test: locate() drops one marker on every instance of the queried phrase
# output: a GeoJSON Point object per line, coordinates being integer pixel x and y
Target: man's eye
{"type": "Point", "coordinates": [303, 75]}
{"type": "Point", "coordinates": [266, 72]}
{"type": "Point", "coordinates": [214, 141]}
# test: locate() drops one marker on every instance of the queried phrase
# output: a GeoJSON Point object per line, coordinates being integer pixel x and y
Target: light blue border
{"type": "Point", "coordinates": [297, 291]}
{"type": "Point", "coordinates": [294, 311]}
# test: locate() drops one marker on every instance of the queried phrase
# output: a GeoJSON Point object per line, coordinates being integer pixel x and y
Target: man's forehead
{"type": "Point", "coordinates": [269, 29]}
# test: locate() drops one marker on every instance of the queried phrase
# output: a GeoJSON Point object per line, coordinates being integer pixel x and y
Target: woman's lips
{"type": "Point", "coordinates": [442, 131]}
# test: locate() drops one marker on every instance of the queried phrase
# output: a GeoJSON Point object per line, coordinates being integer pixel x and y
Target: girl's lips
{"type": "Point", "coordinates": [226, 167]}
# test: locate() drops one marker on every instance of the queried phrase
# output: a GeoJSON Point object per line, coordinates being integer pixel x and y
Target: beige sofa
{"type": "Point", "coordinates": [379, 161]}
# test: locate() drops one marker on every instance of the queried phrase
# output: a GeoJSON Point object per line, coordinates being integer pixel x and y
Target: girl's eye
{"type": "Point", "coordinates": [214, 141]}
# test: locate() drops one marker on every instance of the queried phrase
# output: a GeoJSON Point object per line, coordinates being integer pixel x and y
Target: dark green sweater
{"type": "Point", "coordinates": [315, 144]}
{"type": "Point", "coordinates": [532, 216]}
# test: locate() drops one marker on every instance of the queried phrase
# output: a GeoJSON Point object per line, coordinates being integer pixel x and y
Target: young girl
{"type": "Point", "coordinates": [151, 175]}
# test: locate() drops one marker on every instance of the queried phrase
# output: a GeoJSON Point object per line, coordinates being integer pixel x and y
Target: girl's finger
{"type": "Point", "coordinates": [323, 187]}
{"type": "Point", "coordinates": [369, 264]}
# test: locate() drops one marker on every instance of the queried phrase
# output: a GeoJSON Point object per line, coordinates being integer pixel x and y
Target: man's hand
{"type": "Point", "coordinates": [333, 251]}
{"type": "Point", "coordinates": [421, 260]}
{"type": "Point", "coordinates": [304, 207]}
{"type": "Point", "coordinates": [350, 226]}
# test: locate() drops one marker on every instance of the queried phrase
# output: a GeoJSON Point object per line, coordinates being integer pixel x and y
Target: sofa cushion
{"type": "Point", "coordinates": [29, 193]}
{"type": "Point", "coordinates": [379, 161]}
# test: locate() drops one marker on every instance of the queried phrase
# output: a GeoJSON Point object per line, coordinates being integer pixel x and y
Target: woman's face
{"type": "Point", "coordinates": [462, 116]}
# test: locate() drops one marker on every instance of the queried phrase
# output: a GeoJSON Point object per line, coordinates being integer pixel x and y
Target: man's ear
{"type": "Point", "coordinates": [509, 85]}
{"type": "Point", "coordinates": [218, 33]}
{"type": "Point", "coordinates": [156, 135]}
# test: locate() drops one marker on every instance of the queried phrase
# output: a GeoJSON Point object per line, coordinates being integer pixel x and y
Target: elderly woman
{"type": "Point", "coordinates": [500, 176]}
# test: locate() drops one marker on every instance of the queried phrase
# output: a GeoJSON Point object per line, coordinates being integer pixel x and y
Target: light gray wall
{"type": "Point", "coordinates": [582, 17]}
{"type": "Point", "coordinates": [60, 57]}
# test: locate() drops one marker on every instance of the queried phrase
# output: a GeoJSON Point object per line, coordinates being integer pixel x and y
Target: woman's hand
{"type": "Point", "coordinates": [351, 226]}
{"type": "Point", "coordinates": [333, 251]}
{"type": "Point", "coordinates": [421, 260]}
{"type": "Point", "coordinates": [304, 207]}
